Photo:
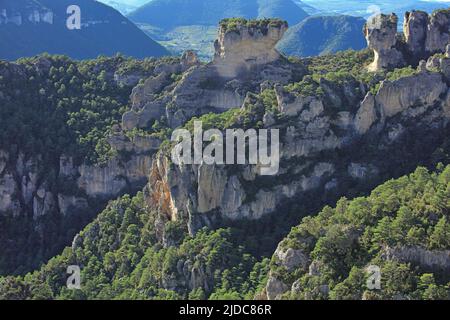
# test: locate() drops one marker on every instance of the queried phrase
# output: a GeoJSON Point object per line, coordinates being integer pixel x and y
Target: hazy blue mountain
{"type": "Point", "coordinates": [122, 7]}
{"type": "Point", "coordinates": [30, 27]}
{"type": "Point", "coordinates": [168, 14]}
{"type": "Point", "coordinates": [365, 8]}
{"type": "Point", "coordinates": [323, 34]}
{"type": "Point", "coordinates": [192, 24]}
{"type": "Point", "coordinates": [125, 6]}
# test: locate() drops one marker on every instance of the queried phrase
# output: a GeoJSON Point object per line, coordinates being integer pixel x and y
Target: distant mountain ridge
{"type": "Point", "coordinates": [31, 27]}
{"type": "Point", "coordinates": [167, 14]}
{"type": "Point", "coordinates": [319, 35]}
{"type": "Point", "coordinates": [181, 25]}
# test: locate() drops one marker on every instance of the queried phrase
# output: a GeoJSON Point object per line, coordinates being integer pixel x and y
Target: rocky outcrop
{"type": "Point", "coordinates": [438, 35]}
{"type": "Point", "coordinates": [246, 45]}
{"type": "Point", "coordinates": [245, 57]}
{"type": "Point", "coordinates": [287, 259]}
{"type": "Point", "coordinates": [414, 31]}
{"type": "Point", "coordinates": [381, 36]}
{"type": "Point", "coordinates": [423, 36]}
{"type": "Point", "coordinates": [275, 288]}
{"type": "Point", "coordinates": [110, 180]}
{"type": "Point", "coordinates": [428, 260]}
{"type": "Point", "coordinates": [421, 90]}
{"type": "Point", "coordinates": [23, 187]}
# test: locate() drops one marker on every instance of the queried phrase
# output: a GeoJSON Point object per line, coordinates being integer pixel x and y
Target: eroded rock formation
{"type": "Point", "coordinates": [423, 36]}
{"type": "Point", "coordinates": [245, 57]}
{"type": "Point", "coordinates": [381, 36]}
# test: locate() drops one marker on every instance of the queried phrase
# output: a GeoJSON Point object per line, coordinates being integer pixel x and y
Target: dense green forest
{"type": "Point", "coordinates": [410, 212]}
{"type": "Point", "coordinates": [53, 106]}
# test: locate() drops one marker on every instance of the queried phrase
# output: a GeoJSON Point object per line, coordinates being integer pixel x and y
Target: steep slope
{"type": "Point", "coordinates": [401, 230]}
{"type": "Point", "coordinates": [31, 27]}
{"type": "Point", "coordinates": [60, 161]}
{"type": "Point", "coordinates": [167, 14]}
{"type": "Point", "coordinates": [323, 34]}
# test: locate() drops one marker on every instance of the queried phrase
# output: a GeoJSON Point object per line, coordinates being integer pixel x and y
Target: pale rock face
{"type": "Point", "coordinates": [29, 184]}
{"type": "Point", "coordinates": [431, 260]}
{"type": "Point", "coordinates": [110, 180]}
{"type": "Point", "coordinates": [445, 67]}
{"type": "Point", "coordinates": [244, 59]}
{"type": "Point", "coordinates": [275, 288]}
{"type": "Point", "coordinates": [361, 171]}
{"type": "Point", "coordinates": [240, 49]}
{"type": "Point", "coordinates": [233, 196]}
{"type": "Point", "coordinates": [189, 59]}
{"type": "Point", "coordinates": [43, 203]}
{"type": "Point", "coordinates": [438, 35]}
{"type": "Point", "coordinates": [151, 86]}
{"type": "Point", "coordinates": [212, 181]}
{"type": "Point", "coordinates": [381, 36]}
{"type": "Point", "coordinates": [414, 31]}
{"type": "Point", "coordinates": [314, 268]}
{"type": "Point", "coordinates": [130, 79]}
{"type": "Point", "coordinates": [366, 115]}
{"type": "Point", "coordinates": [433, 63]}
{"type": "Point", "coordinates": [68, 204]}
{"type": "Point", "coordinates": [424, 35]}
{"type": "Point", "coordinates": [66, 167]}
{"type": "Point", "coordinates": [446, 104]}
{"type": "Point", "coordinates": [292, 106]}
{"type": "Point", "coordinates": [422, 89]}
{"type": "Point", "coordinates": [292, 259]}
{"type": "Point", "coordinates": [136, 145]}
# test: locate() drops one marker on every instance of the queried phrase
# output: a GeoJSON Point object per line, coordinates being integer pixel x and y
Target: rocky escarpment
{"type": "Point", "coordinates": [245, 57]}
{"type": "Point", "coordinates": [24, 189]}
{"type": "Point", "coordinates": [320, 149]}
{"type": "Point", "coordinates": [240, 48]}
{"type": "Point", "coordinates": [423, 36]}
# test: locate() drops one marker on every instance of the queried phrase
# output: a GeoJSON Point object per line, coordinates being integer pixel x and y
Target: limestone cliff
{"type": "Point", "coordinates": [203, 195]}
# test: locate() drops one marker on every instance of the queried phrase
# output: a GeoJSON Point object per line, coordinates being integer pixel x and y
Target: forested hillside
{"type": "Point", "coordinates": [403, 228]}
{"type": "Point", "coordinates": [320, 35]}
{"type": "Point", "coordinates": [32, 27]}
{"type": "Point", "coordinates": [54, 108]}
{"type": "Point", "coordinates": [121, 258]}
